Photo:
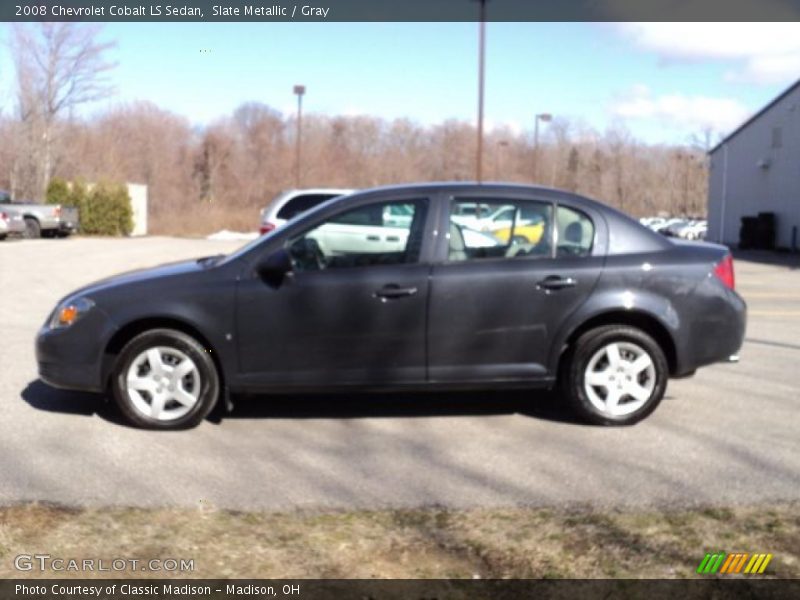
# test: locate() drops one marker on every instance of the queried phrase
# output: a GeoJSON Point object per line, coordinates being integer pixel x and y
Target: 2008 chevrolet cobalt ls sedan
{"type": "Point", "coordinates": [393, 289]}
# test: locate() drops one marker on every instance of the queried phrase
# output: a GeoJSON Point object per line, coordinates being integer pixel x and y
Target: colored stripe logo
{"type": "Point", "coordinates": [731, 564]}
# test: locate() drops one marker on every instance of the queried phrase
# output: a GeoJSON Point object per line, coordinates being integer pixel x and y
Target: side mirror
{"type": "Point", "coordinates": [274, 268]}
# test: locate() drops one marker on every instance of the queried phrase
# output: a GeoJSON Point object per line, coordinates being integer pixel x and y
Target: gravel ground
{"type": "Point", "coordinates": [727, 436]}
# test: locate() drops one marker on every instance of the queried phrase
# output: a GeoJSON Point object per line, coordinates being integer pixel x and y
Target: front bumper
{"type": "Point", "coordinates": [83, 378]}
{"type": "Point", "coordinates": [72, 358]}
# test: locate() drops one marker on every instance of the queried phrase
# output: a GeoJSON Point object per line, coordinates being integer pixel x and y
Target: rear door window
{"type": "Point", "coordinates": [509, 229]}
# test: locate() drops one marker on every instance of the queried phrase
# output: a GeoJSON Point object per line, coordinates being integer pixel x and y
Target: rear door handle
{"type": "Point", "coordinates": [555, 282]}
{"type": "Point", "coordinates": [392, 291]}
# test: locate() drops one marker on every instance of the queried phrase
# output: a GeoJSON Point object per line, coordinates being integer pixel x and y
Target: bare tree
{"type": "Point", "coordinates": [622, 150]}
{"type": "Point", "coordinates": [59, 66]}
{"type": "Point", "coordinates": [243, 160]}
{"type": "Point", "coordinates": [573, 168]}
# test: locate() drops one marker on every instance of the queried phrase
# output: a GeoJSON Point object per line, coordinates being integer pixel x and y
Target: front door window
{"type": "Point", "coordinates": [388, 233]}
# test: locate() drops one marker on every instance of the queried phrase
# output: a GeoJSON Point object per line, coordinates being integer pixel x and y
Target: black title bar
{"type": "Point", "coordinates": [401, 10]}
{"type": "Point", "coordinates": [363, 589]}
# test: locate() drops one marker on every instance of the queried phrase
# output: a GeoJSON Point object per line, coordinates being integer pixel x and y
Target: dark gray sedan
{"type": "Point", "coordinates": [436, 286]}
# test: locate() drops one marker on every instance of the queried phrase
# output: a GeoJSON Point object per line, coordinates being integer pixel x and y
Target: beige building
{"type": "Point", "coordinates": [138, 194]}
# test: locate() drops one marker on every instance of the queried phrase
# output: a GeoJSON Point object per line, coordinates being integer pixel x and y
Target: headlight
{"type": "Point", "coordinates": [69, 311]}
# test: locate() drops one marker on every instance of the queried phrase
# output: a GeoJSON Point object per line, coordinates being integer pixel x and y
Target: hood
{"type": "Point", "coordinates": [167, 271]}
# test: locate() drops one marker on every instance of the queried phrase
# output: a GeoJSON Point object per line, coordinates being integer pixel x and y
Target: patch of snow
{"type": "Point", "coordinates": [225, 235]}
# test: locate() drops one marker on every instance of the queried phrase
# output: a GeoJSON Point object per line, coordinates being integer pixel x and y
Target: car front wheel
{"type": "Point", "coordinates": [165, 379]}
{"type": "Point", "coordinates": [616, 375]}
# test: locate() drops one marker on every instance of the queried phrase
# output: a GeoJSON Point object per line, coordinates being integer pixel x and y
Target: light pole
{"type": "Point", "coordinates": [545, 118]}
{"type": "Point", "coordinates": [481, 69]}
{"type": "Point", "coordinates": [299, 90]}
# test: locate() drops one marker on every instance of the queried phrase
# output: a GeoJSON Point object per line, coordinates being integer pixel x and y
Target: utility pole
{"type": "Point", "coordinates": [299, 90]}
{"type": "Point", "coordinates": [546, 118]}
{"type": "Point", "coordinates": [481, 76]}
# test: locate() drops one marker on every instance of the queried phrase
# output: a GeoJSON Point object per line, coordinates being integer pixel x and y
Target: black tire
{"type": "Point", "coordinates": [32, 229]}
{"type": "Point", "coordinates": [209, 383]}
{"type": "Point", "coordinates": [572, 377]}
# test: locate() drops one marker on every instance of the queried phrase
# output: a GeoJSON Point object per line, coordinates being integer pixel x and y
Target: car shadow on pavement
{"type": "Point", "coordinates": [536, 404]}
{"type": "Point", "coordinates": [41, 396]}
{"type": "Point", "coordinates": [542, 405]}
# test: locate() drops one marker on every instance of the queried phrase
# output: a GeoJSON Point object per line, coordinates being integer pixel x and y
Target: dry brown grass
{"type": "Point", "coordinates": [204, 219]}
{"type": "Point", "coordinates": [420, 543]}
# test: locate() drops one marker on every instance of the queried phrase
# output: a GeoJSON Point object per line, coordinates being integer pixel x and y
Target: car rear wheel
{"type": "Point", "coordinates": [165, 379]}
{"type": "Point", "coordinates": [32, 228]}
{"type": "Point", "coordinates": [615, 375]}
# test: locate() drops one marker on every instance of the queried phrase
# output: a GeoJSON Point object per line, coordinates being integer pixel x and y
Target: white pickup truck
{"type": "Point", "coordinates": [49, 220]}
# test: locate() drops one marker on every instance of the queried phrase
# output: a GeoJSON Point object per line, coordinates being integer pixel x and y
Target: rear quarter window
{"type": "Point", "coordinates": [574, 231]}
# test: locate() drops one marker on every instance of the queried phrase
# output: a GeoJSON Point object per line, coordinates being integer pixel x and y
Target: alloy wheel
{"type": "Point", "coordinates": [620, 378]}
{"type": "Point", "coordinates": [163, 383]}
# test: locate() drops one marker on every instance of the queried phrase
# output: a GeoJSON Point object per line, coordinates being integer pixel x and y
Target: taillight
{"type": "Point", "coordinates": [3, 216]}
{"type": "Point", "coordinates": [266, 228]}
{"type": "Point", "coordinates": [723, 270]}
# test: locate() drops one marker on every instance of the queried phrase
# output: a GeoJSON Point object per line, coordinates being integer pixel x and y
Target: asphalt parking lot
{"type": "Point", "coordinates": [729, 435]}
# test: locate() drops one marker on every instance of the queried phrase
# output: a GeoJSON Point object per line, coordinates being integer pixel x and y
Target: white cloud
{"type": "Point", "coordinates": [692, 113]}
{"type": "Point", "coordinates": [512, 127]}
{"type": "Point", "coordinates": [758, 52]}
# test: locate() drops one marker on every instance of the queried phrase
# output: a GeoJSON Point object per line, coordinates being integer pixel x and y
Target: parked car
{"type": "Point", "coordinates": [694, 230]}
{"type": "Point", "coordinates": [43, 219]}
{"type": "Point", "coordinates": [11, 223]}
{"type": "Point", "coordinates": [601, 307]}
{"type": "Point", "coordinates": [478, 239]}
{"type": "Point", "coordinates": [497, 219]}
{"type": "Point", "coordinates": [651, 222]}
{"type": "Point", "coordinates": [292, 203]}
{"type": "Point", "coordinates": [670, 227]}
{"type": "Point", "coordinates": [381, 231]}
{"type": "Point", "coordinates": [473, 214]}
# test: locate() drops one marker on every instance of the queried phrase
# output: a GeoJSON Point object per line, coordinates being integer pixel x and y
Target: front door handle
{"type": "Point", "coordinates": [556, 282]}
{"type": "Point", "coordinates": [392, 291]}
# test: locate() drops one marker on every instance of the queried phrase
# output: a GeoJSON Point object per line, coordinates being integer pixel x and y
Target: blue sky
{"type": "Point", "coordinates": [663, 81]}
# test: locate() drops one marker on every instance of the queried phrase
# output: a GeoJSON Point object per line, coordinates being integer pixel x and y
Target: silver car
{"type": "Point", "coordinates": [11, 222]}
{"type": "Point", "coordinates": [291, 203]}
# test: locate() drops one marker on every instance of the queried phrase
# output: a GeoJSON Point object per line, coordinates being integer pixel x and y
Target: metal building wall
{"type": "Point", "coordinates": [757, 177]}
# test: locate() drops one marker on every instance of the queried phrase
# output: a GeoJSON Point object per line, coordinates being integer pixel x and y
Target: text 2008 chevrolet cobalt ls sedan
{"type": "Point", "coordinates": [396, 288]}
